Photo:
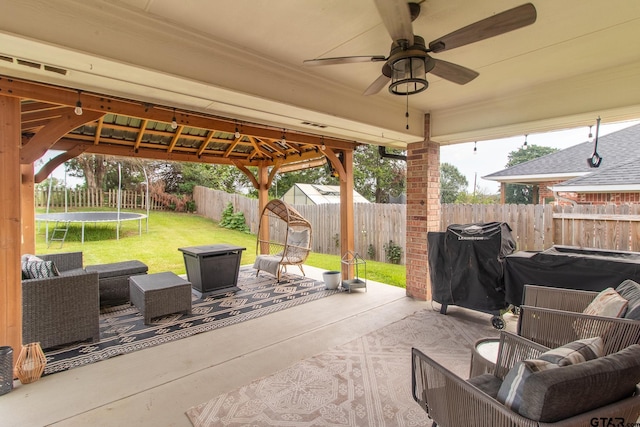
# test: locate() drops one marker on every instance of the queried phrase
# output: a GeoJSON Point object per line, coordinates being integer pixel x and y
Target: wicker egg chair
{"type": "Point", "coordinates": [289, 241]}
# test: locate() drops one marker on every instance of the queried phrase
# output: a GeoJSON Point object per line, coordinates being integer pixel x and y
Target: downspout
{"type": "Point", "coordinates": [382, 151]}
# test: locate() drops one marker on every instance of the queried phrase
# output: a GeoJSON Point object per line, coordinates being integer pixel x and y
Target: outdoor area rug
{"type": "Point", "coordinates": [122, 328]}
{"type": "Point", "coordinates": [366, 382]}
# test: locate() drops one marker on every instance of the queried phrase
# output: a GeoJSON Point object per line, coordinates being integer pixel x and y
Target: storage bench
{"type": "Point", "coordinates": [160, 294]}
{"type": "Point", "coordinates": [113, 280]}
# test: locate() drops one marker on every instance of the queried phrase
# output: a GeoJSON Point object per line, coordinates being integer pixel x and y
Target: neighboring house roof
{"type": "Point", "coordinates": [320, 194]}
{"type": "Point", "coordinates": [619, 171]}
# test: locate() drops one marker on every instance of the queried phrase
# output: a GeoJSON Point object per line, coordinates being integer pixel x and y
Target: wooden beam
{"type": "Point", "coordinates": [52, 132]}
{"type": "Point", "coordinates": [254, 181]}
{"type": "Point", "coordinates": [27, 209]}
{"type": "Point", "coordinates": [335, 162]}
{"type": "Point", "coordinates": [100, 103]}
{"type": "Point", "coordinates": [205, 143]}
{"type": "Point", "coordinates": [54, 162]}
{"type": "Point", "coordinates": [98, 133]}
{"type": "Point", "coordinates": [10, 218]}
{"type": "Point", "coordinates": [347, 237]}
{"type": "Point", "coordinates": [175, 138]}
{"type": "Point", "coordinates": [298, 166]}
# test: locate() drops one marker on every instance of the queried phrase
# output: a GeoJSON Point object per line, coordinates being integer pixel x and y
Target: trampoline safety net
{"type": "Point", "coordinates": [466, 265]}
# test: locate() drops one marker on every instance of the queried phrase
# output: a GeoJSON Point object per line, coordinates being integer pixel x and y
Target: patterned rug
{"type": "Point", "coordinates": [122, 328]}
{"type": "Point", "coordinates": [366, 382]}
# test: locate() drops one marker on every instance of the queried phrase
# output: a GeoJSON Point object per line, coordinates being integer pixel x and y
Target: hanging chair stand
{"type": "Point", "coordinates": [289, 241]}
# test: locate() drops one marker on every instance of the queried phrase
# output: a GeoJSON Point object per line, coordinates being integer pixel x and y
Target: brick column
{"type": "Point", "coordinates": [423, 211]}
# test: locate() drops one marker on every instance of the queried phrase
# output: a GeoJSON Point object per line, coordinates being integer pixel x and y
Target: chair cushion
{"type": "Point", "coordinates": [630, 291]}
{"type": "Point", "coordinates": [511, 392]}
{"type": "Point", "coordinates": [607, 303]}
{"type": "Point", "coordinates": [554, 394]}
{"type": "Point", "coordinates": [488, 383]}
{"type": "Point", "coordinates": [35, 268]}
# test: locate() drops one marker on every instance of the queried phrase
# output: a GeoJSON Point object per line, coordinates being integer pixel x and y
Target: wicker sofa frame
{"type": "Point", "coordinates": [553, 317]}
{"type": "Point", "coordinates": [451, 401]}
{"type": "Point", "coordinates": [62, 309]}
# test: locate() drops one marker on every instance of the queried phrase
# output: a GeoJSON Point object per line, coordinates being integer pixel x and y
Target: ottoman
{"type": "Point", "coordinates": [160, 294]}
{"type": "Point", "coordinates": [113, 280]}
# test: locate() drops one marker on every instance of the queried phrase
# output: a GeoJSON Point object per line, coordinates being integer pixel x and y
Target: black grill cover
{"type": "Point", "coordinates": [569, 267]}
{"type": "Point", "coordinates": [466, 265]}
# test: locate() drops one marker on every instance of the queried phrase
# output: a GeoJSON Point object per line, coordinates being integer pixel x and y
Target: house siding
{"type": "Point", "coordinates": [546, 195]}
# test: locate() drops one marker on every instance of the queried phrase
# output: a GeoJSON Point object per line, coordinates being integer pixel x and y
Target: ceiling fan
{"type": "Point", "coordinates": [409, 59]}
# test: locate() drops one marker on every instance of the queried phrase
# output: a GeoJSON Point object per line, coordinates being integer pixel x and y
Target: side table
{"type": "Point", "coordinates": [484, 356]}
{"type": "Point", "coordinates": [160, 294]}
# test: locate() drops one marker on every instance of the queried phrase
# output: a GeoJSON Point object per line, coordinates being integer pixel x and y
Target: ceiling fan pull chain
{"type": "Point", "coordinates": [406, 114]}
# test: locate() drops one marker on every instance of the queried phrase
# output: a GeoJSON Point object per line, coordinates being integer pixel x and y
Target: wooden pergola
{"type": "Point", "coordinates": [37, 117]}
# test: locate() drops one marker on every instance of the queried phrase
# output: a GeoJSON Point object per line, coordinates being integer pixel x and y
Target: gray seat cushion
{"type": "Point", "coordinates": [488, 383]}
{"type": "Point", "coordinates": [556, 394]}
{"type": "Point", "coordinates": [117, 269]}
{"type": "Point", "coordinates": [630, 291]}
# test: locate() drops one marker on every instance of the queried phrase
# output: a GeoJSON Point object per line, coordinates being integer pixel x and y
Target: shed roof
{"type": "Point", "coordinates": [320, 194]}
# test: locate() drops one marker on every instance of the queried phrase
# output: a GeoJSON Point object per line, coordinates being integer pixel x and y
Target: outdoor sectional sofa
{"type": "Point", "coordinates": [61, 309]}
{"type": "Point", "coordinates": [65, 308]}
{"type": "Point", "coordinates": [568, 395]}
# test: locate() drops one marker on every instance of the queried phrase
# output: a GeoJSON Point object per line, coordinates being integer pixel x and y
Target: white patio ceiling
{"type": "Point", "coordinates": [243, 59]}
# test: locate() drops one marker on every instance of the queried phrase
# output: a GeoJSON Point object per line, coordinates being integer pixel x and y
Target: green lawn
{"type": "Point", "coordinates": [169, 231]}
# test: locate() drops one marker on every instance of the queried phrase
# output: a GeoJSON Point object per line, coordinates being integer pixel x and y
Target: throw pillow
{"type": "Point", "coordinates": [24, 260]}
{"type": "Point", "coordinates": [630, 291]}
{"type": "Point", "coordinates": [39, 269]}
{"type": "Point", "coordinates": [607, 303]}
{"type": "Point", "coordinates": [575, 352]}
{"type": "Point", "coordinates": [511, 391]}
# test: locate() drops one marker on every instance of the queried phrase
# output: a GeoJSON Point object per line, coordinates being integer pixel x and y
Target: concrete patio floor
{"type": "Point", "coordinates": [155, 386]}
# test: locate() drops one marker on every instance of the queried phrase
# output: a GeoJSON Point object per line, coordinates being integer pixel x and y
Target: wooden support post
{"type": "Point", "coordinates": [347, 239]}
{"type": "Point", "coordinates": [28, 211]}
{"type": "Point", "coordinates": [263, 199]}
{"type": "Point", "coordinates": [10, 238]}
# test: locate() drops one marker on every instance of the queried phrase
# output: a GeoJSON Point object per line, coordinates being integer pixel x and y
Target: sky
{"type": "Point", "coordinates": [492, 156]}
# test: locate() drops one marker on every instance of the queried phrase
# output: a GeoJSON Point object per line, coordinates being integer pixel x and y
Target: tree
{"type": "Point", "coordinates": [101, 171]}
{"type": "Point", "coordinates": [283, 182]}
{"type": "Point", "coordinates": [520, 193]}
{"type": "Point", "coordinates": [91, 167]}
{"type": "Point", "coordinates": [377, 178]}
{"type": "Point", "coordinates": [479, 197]}
{"type": "Point", "coordinates": [452, 183]}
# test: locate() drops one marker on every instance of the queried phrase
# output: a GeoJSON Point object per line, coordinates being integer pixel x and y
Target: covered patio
{"type": "Point", "coordinates": [156, 386]}
{"type": "Point", "coordinates": [224, 82]}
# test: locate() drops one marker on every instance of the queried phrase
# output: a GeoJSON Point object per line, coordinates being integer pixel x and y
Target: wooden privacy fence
{"type": "Point", "coordinates": [535, 227]}
{"type": "Point", "coordinates": [538, 227]}
{"type": "Point", "coordinates": [94, 198]}
{"type": "Point", "coordinates": [374, 224]}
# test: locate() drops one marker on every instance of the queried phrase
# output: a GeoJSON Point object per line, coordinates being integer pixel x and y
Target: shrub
{"type": "Point", "coordinates": [233, 221]}
{"type": "Point", "coordinates": [393, 252]}
{"type": "Point", "coordinates": [371, 251]}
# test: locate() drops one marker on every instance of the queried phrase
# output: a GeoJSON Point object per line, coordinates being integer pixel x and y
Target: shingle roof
{"type": "Point", "coordinates": [620, 152]}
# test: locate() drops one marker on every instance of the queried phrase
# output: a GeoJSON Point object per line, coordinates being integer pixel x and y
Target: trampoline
{"type": "Point", "coordinates": [91, 217]}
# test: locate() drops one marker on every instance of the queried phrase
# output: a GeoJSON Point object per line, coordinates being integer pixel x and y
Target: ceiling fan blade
{"type": "Point", "coordinates": [396, 18]}
{"type": "Point", "coordinates": [377, 85]}
{"type": "Point", "coordinates": [344, 60]}
{"type": "Point", "coordinates": [453, 72]}
{"type": "Point", "coordinates": [495, 25]}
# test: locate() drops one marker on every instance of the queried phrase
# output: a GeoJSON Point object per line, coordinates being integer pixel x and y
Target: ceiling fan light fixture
{"type": "Point", "coordinates": [408, 76]}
